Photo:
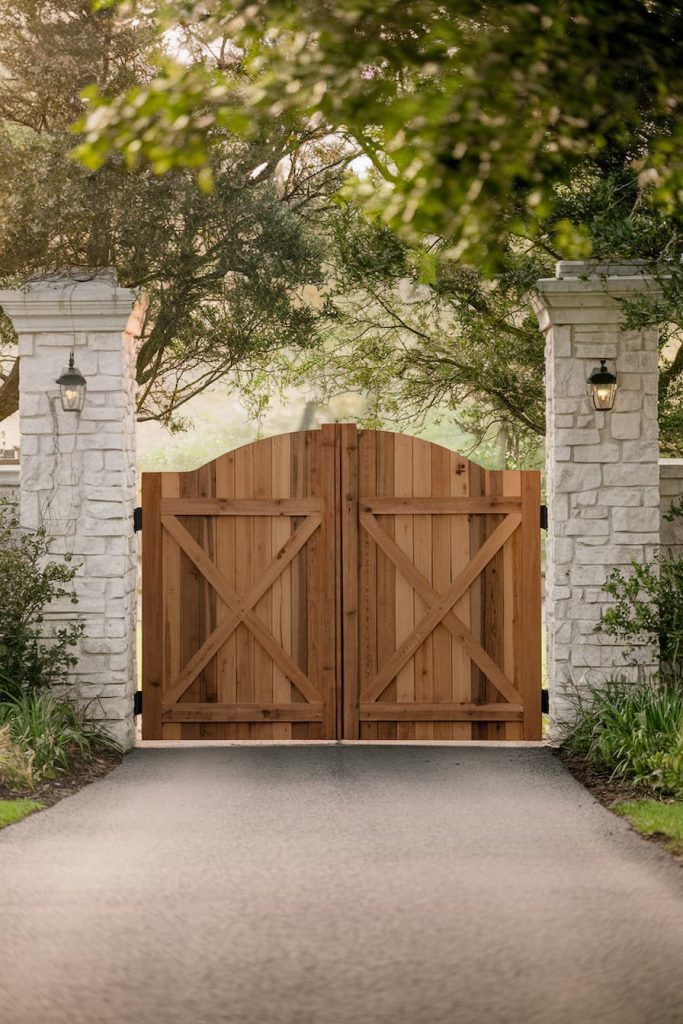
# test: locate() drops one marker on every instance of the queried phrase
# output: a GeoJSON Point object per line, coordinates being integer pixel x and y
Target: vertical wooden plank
{"type": "Point", "coordinates": [477, 538]}
{"type": "Point", "coordinates": [263, 556]}
{"type": "Point", "coordinates": [441, 577]}
{"type": "Point", "coordinates": [244, 576]}
{"type": "Point", "coordinates": [314, 557]}
{"type": "Point", "coordinates": [298, 596]}
{"type": "Point", "coordinates": [492, 607]}
{"type": "Point", "coordinates": [152, 608]}
{"type": "Point", "coordinates": [338, 598]}
{"type": "Point", "coordinates": [460, 525]}
{"type": "Point", "coordinates": [327, 570]}
{"type": "Point", "coordinates": [386, 576]}
{"type": "Point", "coordinates": [225, 560]}
{"type": "Point", "coordinates": [510, 613]}
{"type": "Point", "coordinates": [530, 605]}
{"type": "Point", "coordinates": [422, 534]}
{"type": "Point", "coordinates": [206, 488]}
{"type": "Point", "coordinates": [349, 571]}
{"type": "Point", "coordinates": [367, 573]}
{"type": "Point", "coordinates": [172, 604]}
{"type": "Point", "coordinates": [190, 591]}
{"type": "Point", "coordinates": [282, 588]}
{"type": "Point", "coordinates": [405, 605]}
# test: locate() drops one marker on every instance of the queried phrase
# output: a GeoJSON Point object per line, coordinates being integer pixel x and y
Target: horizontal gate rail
{"type": "Point", "coordinates": [439, 506]}
{"type": "Point", "coordinates": [243, 713]}
{"type": "Point", "coordinates": [241, 506]}
{"type": "Point", "coordinates": [381, 711]}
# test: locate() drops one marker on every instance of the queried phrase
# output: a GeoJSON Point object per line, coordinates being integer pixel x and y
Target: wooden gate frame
{"type": "Point", "coordinates": [353, 516]}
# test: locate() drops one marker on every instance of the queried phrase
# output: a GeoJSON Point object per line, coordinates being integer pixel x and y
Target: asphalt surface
{"type": "Point", "coordinates": [337, 885]}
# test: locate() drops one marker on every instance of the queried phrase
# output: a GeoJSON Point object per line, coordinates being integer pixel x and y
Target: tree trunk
{"type": "Point", "coordinates": [9, 392]}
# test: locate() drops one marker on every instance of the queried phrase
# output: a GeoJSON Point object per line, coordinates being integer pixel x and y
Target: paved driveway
{"type": "Point", "coordinates": [337, 885]}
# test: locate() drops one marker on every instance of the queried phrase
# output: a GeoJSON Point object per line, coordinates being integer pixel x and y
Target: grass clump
{"type": "Point", "coordinates": [16, 762]}
{"type": "Point", "coordinates": [44, 734]}
{"type": "Point", "coordinates": [655, 818]}
{"type": "Point", "coordinates": [632, 731]}
{"type": "Point", "coordinates": [15, 810]}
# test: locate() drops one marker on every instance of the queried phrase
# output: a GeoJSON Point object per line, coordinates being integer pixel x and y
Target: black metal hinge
{"type": "Point", "coordinates": [544, 517]}
{"type": "Point", "coordinates": [137, 702]}
{"type": "Point", "coordinates": [137, 519]}
{"type": "Point", "coordinates": [545, 703]}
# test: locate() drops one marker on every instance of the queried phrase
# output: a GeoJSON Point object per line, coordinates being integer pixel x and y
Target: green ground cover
{"type": "Point", "coordinates": [654, 818]}
{"type": "Point", "coordinates": [15, 810]}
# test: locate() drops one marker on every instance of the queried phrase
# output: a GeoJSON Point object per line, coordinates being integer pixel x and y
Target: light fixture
{"type": "Point", "coordinates": [72, 387]}
{"type": "Point", "coordinates": [602, 387]}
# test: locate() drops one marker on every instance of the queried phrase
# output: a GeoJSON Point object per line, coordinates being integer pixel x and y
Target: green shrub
{"type": "Point", "coordinates": [648, 608]}
{"type": "Point", "coordinates": [32, 655]}
{"type": "Point", "coordinates": [633, 731]}
{"type": "Point", "coordinates": [54, 731]}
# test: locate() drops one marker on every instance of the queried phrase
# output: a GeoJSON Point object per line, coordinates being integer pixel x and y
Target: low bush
{"type": "Point", "coordinates": [634, 732]}
{"type": "Point", "coordinates": [52, 734]}
{"type": "Point", "coordinates": [33, 655]}
{"type": "Point", "coordinates": [648, 609]}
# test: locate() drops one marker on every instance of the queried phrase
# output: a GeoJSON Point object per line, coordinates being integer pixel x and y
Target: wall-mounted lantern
{"type": "Point", "coordinates": [72, 387]}
{"type": "Point", "coordinates": [602, 387]}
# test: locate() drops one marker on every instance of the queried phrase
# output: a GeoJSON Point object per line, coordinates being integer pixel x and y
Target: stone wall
{"type": "Point", "coordinates": [671, 488]}
{"type": "Point", "coordinates": [78, 472]}
{"type": "Point", "coordinates": [602, 472]}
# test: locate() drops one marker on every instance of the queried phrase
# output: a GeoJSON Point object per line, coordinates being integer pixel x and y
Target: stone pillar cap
{"type": "Point", "coordinates": [74, 301]}
{"type": "Point", "coordinates": [602, 268]}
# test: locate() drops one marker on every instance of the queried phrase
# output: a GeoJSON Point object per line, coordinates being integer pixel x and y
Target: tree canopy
{"type": "Point", "coordinates": [472, 112]}
{"type": "Point", "coordinates": [225, 272]}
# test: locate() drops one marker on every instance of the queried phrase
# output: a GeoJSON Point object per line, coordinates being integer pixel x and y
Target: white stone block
{"type": "Point", "coordinates": [570, 478]}
{"type": "Point", "coordinates": [584, 528]}
{"type": "Point", "coordinates": [625, 425]}
{"type": "Point", "coordinates": [636, 519]}
{"type": "Point", "coordinates": [628, 401]}
{"type": "Point", "coordinates": [575, 437]}
{"type": "Point", "coordinates": [592, 513]}
{"type": "Point", "coordinates": [621, 496]}
{"type": "Point", "coordinates": [631, 474]}
{"type": "Point", "coordinates": [597, 453]}
{"type": "Point", "coordinates": [111, 363]}
{"type": "Point", "coordinates": [114, 460]}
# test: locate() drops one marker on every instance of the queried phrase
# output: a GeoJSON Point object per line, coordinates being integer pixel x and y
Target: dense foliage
{"type": "Point", "coordinates": [416, 331]}
{"type": "Point", "coordinates": [647, 608]}
{"type": "Point", "coordinates": [224, 272]}
{"type": "Point", "coordinates": [42, 734]}
{"type": "Point", "coordinates": [634, 732]}
{"type": "Point", "coordinates": [34, 654]}
{"type": "Point", "coordinates": [471, 112]}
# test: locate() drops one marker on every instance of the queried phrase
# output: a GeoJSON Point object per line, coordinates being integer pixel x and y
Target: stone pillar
{"type": "Point", "coordinates": [602, 472]}
{"type": "Point", "coordinates": [78, 471]}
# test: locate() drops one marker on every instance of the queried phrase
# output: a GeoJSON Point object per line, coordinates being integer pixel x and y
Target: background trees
{"type": "Point", "coordinates": [417, 331]}
{"type": "Point", "coordinates": [224, 271]}
{"type": "Point", "coordinates": [472, 112]}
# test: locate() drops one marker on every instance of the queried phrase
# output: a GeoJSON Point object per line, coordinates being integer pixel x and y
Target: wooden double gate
{"type": "Point", "coordinates": [338, 583]}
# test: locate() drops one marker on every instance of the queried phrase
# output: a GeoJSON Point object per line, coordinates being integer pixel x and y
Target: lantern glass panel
{"type": "Point", "coordinates": [604, 395]}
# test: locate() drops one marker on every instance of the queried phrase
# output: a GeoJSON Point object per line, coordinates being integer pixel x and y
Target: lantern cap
{"type": "Point", "coordinates": [601, 375]}
{"type": "Point", "coordinates": [72, 376]}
